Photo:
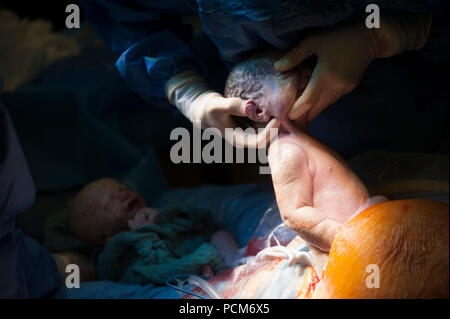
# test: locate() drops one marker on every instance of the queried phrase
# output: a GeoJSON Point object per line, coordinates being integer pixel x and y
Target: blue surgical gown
{"type": "Point", "coordinates": [401, 103]}
{"type": "Point", "coordinates": [155, 44]}
{"type": "Point", "coordinates": [27, 270]}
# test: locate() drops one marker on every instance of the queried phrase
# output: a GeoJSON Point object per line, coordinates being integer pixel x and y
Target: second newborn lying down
{"type": "Point", "coordinates": [133, 243]}
{"type": "Point", "coordinates": [315, 190]}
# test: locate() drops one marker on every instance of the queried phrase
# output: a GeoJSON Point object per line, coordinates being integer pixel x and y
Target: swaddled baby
{"type": "Point", "coordinates": [106, 207]}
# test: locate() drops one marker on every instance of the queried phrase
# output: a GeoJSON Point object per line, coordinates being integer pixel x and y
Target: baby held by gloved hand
{"type": "Point", "coordinates": [267, 92]}
{"type": "Point", "coordinates": [316, 190]}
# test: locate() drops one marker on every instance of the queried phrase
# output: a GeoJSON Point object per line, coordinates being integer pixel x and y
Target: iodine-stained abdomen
{"type": "Point", "coordinates": [396, 249]}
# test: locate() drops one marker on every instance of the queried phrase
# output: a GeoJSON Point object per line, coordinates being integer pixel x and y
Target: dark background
{"type": "Point", "coordinates": [177, 175]}
{"type": "Point", "coordinates": [51, 10]}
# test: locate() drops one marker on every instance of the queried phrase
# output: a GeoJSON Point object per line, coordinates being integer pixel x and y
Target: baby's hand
{"type": "Point", "coordinates": [145, 216]}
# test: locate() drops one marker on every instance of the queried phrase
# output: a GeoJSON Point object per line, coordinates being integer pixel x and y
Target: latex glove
{"type": "Point", "coordinates": [343, 54]}
{"type": "Point", "coordinates": [206, 108]}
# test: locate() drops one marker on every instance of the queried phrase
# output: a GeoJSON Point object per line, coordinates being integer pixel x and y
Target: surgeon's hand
{"type": "Point", "coordinates": [343, 54]}
{"type": "Point", "coordinates": [209, 109]}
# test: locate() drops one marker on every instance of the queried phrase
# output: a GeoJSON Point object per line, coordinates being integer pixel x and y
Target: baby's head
{"type": "Point", "coordinates": [269, 93]}
{"type": "Point", "coordinates": [102, 209]}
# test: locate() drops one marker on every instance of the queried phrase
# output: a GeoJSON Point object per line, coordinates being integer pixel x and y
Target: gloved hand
{"type": "Point", "coordinates": [206, 108]}
{"type": "Point", "coordinates": [343, 54]}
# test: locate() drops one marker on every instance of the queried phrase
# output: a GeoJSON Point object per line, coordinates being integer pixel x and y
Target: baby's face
{"type": "Point", "coordinates": [280, 93]}
{"type": "Point", "coordinates": [103, 209]}
{"type": "Point", "coordinates": [117, 203]}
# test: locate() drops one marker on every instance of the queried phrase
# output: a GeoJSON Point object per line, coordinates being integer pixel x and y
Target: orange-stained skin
{"type": "Point", "coordinates": [408, 240]}
{"type": "Point", "coordinates": [309, 283]}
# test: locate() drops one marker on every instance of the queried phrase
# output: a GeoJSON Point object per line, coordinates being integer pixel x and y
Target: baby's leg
{"type": "Point", "coordinates": [292, 177]}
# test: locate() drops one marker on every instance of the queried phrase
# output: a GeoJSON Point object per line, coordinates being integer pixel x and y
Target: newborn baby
{"type": "Point", "coordinates": [269, 93]}
{"type": "Point", "coordinates": [106, 207]}
{"type": "Point", "coordinates": [315, 190]}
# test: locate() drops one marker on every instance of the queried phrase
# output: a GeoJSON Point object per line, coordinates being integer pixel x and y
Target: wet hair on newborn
{"type": "Point", "coordinates": [268, 93]}
{"type": "Point", "coordinates": [246, 78]}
